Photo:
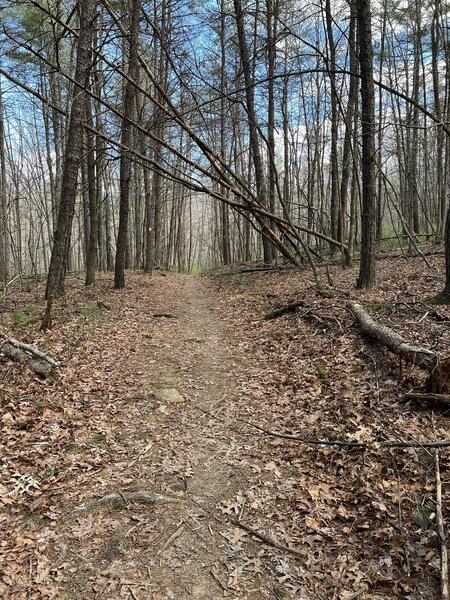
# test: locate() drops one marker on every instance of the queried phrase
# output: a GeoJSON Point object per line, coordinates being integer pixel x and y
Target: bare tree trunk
{"type": "Point", "coordinates": [72, 157]}
{"type": "Point", "coordinates": [4, 254]}
{"type": "Point", "coordinates": [91, 259]}
{"type": "Point", "coordinates": [224, 213]}
{"type": "Point", "coordinates": [348, 158]}
{"type": "Point", "coordinates": [272, 15]}
{"type": "Point", "coordinates": [126, 140]}
{"type": "Point", "coordinates": [366, 277]}
{"type": "Point", "coordinates": [334, 212]}
{"type": "Point", "coordinates": [260, 175]}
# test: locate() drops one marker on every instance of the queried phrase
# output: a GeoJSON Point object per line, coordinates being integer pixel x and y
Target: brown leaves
{"type": "Point", "coordinates": [99, 428]}
{"type": "Point", "coordinates": [350, 500]}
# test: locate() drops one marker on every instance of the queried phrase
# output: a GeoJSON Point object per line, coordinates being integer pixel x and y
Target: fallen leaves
{"type": "Point", "coordinates": [98, 428]}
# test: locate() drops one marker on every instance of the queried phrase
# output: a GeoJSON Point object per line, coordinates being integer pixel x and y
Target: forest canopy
{"type": "Point", "coordinates": [186, 135]}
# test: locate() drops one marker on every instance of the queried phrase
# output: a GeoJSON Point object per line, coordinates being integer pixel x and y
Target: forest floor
{"type": "Point", "coordinates": [163, 404]}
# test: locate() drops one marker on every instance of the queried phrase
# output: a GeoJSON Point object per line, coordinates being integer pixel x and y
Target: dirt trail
{"type": "Point", "coordinates": [178, 366]}
{"type": "Point", "coordinates": [201, 365]}
{"type": "Point", "coordinates": [127, 413]}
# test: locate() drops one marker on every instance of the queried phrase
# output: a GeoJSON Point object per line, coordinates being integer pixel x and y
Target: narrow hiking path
{"type": "Point", "coordinates": [155, 386]}
{"type": "Point", "coordinates": [128, 411]}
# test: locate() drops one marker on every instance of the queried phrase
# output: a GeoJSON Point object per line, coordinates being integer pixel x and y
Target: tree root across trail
{"type": "Point", "coordinates": [121, 499]}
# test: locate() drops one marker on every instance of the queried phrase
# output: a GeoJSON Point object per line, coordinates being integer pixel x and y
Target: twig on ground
{"type": "Point", "coordinates": [133, 595]}
{"type": "Point", "coordinates": [103, 305]}
{"type": "Point", "coordinates": [261, 536]}
{"type": "Point", "coordinates": [214, 575]}
{"type": "Point", "coordinates": [175, 535]}
{"type": "Point", "coordinates": [265, 538]}
{"type": "Point", "coordinates": [283, 310]}
{"type": "Point", "coordinates": [375, 445]}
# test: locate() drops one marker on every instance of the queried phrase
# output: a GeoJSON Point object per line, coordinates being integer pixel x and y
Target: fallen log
{"type": "Point", "coordinates": [390, 338]}
{"type": "Point", "coordinates": [283, 310]}
{"type": "Point", "coordinates": [38, 366]}
{"type": "Point", "coordinates": [427, 398]}
{"type": "Point", "coordinates": [31, 349]}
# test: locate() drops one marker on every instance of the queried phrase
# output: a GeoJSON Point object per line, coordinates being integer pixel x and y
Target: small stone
{"type": "Point", "coordinates": [169, 396]}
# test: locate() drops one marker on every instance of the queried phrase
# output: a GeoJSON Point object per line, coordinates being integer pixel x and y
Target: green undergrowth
{"type": "Point", "coordinates": [90, 310]}
{"type": "Point", "coordinates": [25, 314]}
{"type": "Point", "coordinates": [195, 270]}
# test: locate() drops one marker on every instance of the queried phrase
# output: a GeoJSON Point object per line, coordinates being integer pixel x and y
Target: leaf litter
{"type": "Point", "coordinates": [360, 520]}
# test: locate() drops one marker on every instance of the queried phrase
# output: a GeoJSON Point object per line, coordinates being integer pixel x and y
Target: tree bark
{"type": "Point", "coordinates": [72, 157]}
{"type": "Point", "coordinates": [126, 140]}
{"type": "Point", "coordinates": [366, 277]}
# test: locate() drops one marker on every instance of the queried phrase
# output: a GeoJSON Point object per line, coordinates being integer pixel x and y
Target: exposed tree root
{"type": "Point", "coordinates": [441, 298]}
{"type": "Point", "coordinates": [123, 498]}
{"type": "Point", "coordinates": [373, 445]}
{"type": "Point", "coordinates": [266, 538]}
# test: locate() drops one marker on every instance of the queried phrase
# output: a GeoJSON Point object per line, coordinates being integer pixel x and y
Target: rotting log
{"type": "Point", "coordinates": [391, 339]}
{"type": "Point", "coordinates": [427, 398]}
{"type": "Point", "coordinates": [31, 349]}
{"type": "Point", "coordinates": [38, 366]}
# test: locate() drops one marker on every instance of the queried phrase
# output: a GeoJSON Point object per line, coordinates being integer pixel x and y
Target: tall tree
{"type": "Point", "coordinates": [72, 155]}
{"type": "Point", "coordinates": [334, 212]}
{"type": "Point", "coordinates": [126, 141]}
{"type": "Point", "coordinates": [366, 277]}
{"type": "Point", "coordinates": [92, 182]}
{"type": "Point", "coordinates": [260, 175]}
{"type": "Point", "coordinates": [4, 258]}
